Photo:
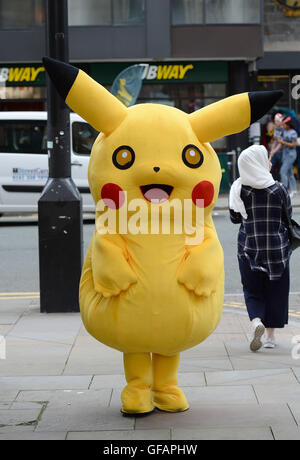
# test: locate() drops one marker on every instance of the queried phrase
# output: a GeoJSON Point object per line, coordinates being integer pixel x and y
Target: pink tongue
{"type": "Point", "coordinates": [156, 195]}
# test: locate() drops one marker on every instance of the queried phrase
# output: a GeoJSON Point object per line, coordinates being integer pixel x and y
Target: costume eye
{"type": "Point", "coordinates": [123, 157]}
{"type": "Point", "coordinates": [192, 156]}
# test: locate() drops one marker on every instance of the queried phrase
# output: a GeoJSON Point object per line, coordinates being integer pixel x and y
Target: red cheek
{"type": "Point", "coordinates": [113, 196]}
{"type": "Point", "coordinates": [203, 191]}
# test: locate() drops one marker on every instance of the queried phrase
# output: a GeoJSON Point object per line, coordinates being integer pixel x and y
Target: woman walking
{"type": "Point", "coordinates": [289, 155]}
{"type": "Point", "coordinates": [263, 245]}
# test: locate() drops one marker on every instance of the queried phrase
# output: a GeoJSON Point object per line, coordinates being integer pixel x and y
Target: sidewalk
{"type": "Point", "coordinates": [57, 382]}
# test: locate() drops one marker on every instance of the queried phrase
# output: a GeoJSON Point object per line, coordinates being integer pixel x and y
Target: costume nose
{"type": "Point", "coordinates": [156, 168]}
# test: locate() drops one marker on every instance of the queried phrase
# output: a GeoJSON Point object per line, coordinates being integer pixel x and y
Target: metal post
{"type": "Point", "coordinates": [60, 206]}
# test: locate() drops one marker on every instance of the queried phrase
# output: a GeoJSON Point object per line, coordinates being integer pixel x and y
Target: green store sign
{"type": "Point", "coordinates": [105, 73]}
{"type": "Point", "coordinates": [16, 75]}
{"type": "Point", "coordinates": [171, 72]}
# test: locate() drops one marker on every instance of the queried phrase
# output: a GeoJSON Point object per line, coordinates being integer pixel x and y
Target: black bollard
{"type": "Point", "coordinates": [60, 205]}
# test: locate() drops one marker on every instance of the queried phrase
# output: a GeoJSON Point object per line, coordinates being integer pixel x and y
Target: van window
{"type": "Point", "coordinates": [27, 136]}
{"type": "Point", "coordinates": [83, 137]}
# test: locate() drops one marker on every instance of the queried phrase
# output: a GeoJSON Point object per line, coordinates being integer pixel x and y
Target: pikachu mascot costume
{"type": "Point", "coordinates": [150, 295]}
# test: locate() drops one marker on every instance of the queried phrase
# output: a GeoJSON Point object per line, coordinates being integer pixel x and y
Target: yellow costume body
{"type": "Point", "coordinates": [148, 292]}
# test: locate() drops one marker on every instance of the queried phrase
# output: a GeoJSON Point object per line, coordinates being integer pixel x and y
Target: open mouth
{"type": "Point", "coordinates": [156, 193]}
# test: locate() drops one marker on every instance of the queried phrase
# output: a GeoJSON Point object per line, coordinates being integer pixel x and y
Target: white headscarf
{"type": "Point", "coordinates": [253, 165]}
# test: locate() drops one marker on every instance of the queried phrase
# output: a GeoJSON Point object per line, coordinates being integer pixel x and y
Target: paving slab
{"type": "Point", "coordinates": [46, 382]}
{"type": "Point", "coordinates": [281, 393]}
{"type": "Point", "coordinates": [296, 371]}
{"type": "Point", "coordinates": [129, 435]}
{"type": "Point", "coordinates": [250, 377]}
{"type": "Point", "coordinates": [5, 328]}
{"type": "Point", "coordinates": [18, 417]}
{"type": "Point", "coordinates": [286, 433]}
{"type": "Point", "coordinates": [8, 394]}
{"type": "Point", "coordinates": [88, 356]}
{"type": "Point", "coordinates": [194, 364]}
{"type": "Point", "coordinates": [33, 357]}
{"type": "Point", "coordinates": [294, 407]}
{"type": "Point", "coordinates": [19, 405]}
{"type": "Point", "coordinates": [33, 436]}
{"type": "Point", "coordinates": [108, 381]}
{"type": "Point", "coordinates": [47, 328]}
{"type": "Point", "coordinates": [223, 434]}
{"type": "Point", "coordinates": [212, 416]}
{"type": "Point", "coordinates": [11, 311]}
{"type": "Point", "coordinates": [84, 417]}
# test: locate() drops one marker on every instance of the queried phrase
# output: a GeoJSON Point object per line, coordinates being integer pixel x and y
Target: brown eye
{"type": "Point", "coordinates": [123, 157]}
{"type": "Point", "coordinates": [192, 156]}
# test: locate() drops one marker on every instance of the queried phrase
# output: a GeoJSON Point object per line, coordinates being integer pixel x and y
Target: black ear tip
{"type": "Point", "coordinates": [262, 101]}
{"type": "Point", "coordinates": [62, 75]}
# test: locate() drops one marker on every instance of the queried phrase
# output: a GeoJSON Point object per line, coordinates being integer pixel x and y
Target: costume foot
{"type": "Point", "coordinates": [139, 414]}
{"type": "Point", "coordinates": [136, 401]}
{"type": "Point", "coordinates": [172, 399]}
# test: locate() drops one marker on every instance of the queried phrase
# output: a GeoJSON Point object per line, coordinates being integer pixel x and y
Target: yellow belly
{"type": "Point", "coordinates": [157, 314]}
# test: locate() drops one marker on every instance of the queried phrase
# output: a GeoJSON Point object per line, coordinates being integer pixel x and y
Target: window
{"type": "Point", "coordinates": [187, 12]}
{"type": "Point", "coordinates": [215, 12]}
{"type": "Point", "coordinates": [128, 11]}
{"type": "Point", "coordinates": [89, 12]}
{"type": "Point", "coordinates": [21, 14]}
{"type": "Point", "coordinates": [23, 136]}
{"type": "Point", "coordinates": [83, 137]}
{"type": "Point", "coordinates": [106, 12]}
{"type": "Point", "coordinates": [232, 12]}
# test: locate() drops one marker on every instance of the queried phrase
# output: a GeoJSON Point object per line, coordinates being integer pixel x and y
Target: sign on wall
{"type": "Point", "coordinates": [18, 75]}
{"type": "Point", "coordinates": [289, 7]}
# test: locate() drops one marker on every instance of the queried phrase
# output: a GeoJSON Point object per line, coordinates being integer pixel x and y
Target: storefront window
{"type": "Point", "coordinates": [89, 12]}
{"type": "Point", "coordinates": [215, 12]}
{"type": "Point", "coordinates": [232, 11]}
{"type": "Point", "coordinates": [187, 11]}
{"type": "Point", "coordinates": [21, 14]}
{"type": "Point", "coordinates": [128, 11]}
{"type": "Point", "coordinates": [105, 12]}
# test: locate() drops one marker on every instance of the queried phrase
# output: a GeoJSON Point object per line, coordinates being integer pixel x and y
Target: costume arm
{"type": "Point", "coordinates": [203, 265]}
{"type": "Point", "coordinates": [112, 272]}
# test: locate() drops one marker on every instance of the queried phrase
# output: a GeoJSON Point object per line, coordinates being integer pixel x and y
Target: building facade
{"type": "Point", "coordinates": [194, 51]}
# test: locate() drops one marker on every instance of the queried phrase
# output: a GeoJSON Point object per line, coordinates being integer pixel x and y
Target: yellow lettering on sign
{"type": "Point", "coordinates": [177, 72]}
{"type": "Point", "coordinates": [35, 72]}
{"type": "Point", "coordinates": [26, 74]}
{"type": "Point", "coordinates": [163, 72]}
{"type": "Point", "coordinates": [174, 72]}
{"type": "Point", "coordinates": [15, 73]}
{"type": "Point", "coordinates": [184, 69]}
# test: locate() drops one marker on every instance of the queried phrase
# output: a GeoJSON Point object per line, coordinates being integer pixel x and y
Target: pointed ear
{"type": "Point", "coordinates": [85, 96]}
{"type": "Point", "coordinates": [232, 115]}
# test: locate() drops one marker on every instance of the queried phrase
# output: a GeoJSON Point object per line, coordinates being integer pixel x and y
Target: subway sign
{"type": "Point", "coordinates": [14, 75]}
{"type": "Point", "coordinates": [106, 72]}
{"type": "Point", "coordinates": [165, 71]}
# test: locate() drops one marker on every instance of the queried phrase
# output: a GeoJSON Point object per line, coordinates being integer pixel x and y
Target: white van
{"type": "Point", "coordinates": [24, 159]}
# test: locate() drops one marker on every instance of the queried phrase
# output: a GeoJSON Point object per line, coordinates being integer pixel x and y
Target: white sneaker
{"type": "Point", "coordinates": [258, 330]}
{"type": "Point", "coordinates": [292, 194]}
{"type": "Point", "coordinates": [269, 342]}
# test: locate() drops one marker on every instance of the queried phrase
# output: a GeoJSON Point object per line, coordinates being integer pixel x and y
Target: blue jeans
{"type": "Point", "coordinates": [286, 171]}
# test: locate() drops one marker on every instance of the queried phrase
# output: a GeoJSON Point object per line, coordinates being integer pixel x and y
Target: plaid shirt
{"type": "Point", "coordinates": [263, 237]}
